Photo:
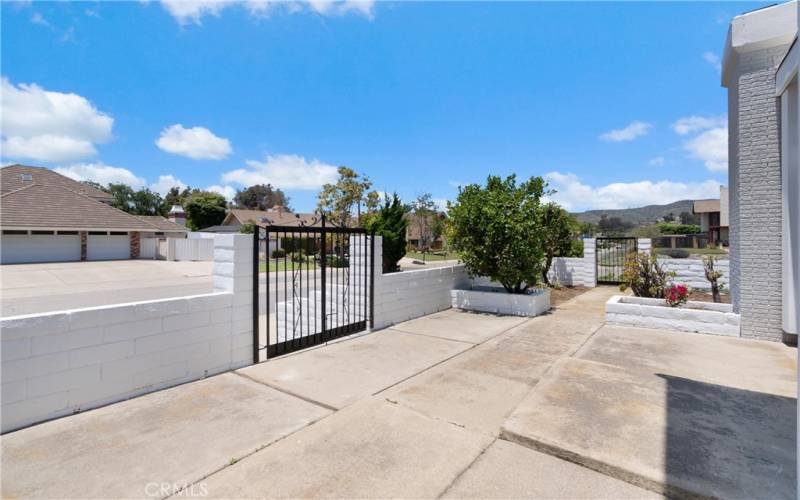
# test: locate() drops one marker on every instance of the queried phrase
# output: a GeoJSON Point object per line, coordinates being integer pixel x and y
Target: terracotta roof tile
{"type": "Point", "coordinates": [11, 178]}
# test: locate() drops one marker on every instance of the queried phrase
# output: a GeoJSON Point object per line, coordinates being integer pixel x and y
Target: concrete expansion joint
{"type": "Point", "coordinates": [288, 393]}
{"type": "Point", "coordinates": [465, 469]}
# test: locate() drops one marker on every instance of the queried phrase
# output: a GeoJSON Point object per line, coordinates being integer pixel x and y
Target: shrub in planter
{"type": "Point", "coordinates": [677, 253]}
{"type": "Point", "coordinates": [713, 276]}
{"type": "Point", "coordinates": [278, 253]}
{"type": "Point", "coordinates": [676, 295]}
{"type": "Point", "coordinates": [497, 230]}
{"type": "Point", "coordinates": [645, 276]}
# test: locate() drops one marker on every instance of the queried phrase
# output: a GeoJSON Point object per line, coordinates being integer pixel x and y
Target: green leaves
{"type": "Point", "coordinates": [390, 223]}
{"type": "Point", "coordinates": [204, 209]}
{"type": "Point", "coordinates": [499, 231]}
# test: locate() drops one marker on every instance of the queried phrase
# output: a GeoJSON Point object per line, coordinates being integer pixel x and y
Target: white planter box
{"type": "Point", "coordinates": [497, 300]}
{"type": "Point", "coordinates": [698, 317]}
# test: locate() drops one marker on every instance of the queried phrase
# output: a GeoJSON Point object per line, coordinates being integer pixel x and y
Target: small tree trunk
{"type": "Point", "coordinates": [547, 263]}
{"type": "Point", "coordinates": [715, 291]}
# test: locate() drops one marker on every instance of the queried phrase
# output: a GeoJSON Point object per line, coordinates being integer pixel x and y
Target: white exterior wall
{"type": "Point", "coordinates": [59, 363]}
{"type": "Point", "coordinates": [576, 271]}
{"type": "Point", "coordinates": [691, 272]}
{"type": "Point", "coordinates": [147, 248]}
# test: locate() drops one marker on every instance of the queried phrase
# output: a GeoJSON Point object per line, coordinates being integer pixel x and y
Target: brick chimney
{"type": "Point", "coordinates": [177, 215]}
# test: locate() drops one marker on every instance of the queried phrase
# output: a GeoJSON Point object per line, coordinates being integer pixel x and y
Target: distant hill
{"type": "Point", "coordinates": [638, 216]}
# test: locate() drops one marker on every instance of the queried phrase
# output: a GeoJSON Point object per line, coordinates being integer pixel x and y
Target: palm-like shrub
{"type": "Point", "coordinates": [497, 230]}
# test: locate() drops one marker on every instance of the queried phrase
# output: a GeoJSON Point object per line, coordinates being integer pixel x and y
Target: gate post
{"type": "Point", "coordinates": [233, 272]}
{"type": "Point", "coordinates": [590, 262]}
{"type": "Point", "coordinates": [644, 245]}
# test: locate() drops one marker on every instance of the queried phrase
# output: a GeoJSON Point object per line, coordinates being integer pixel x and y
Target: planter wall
{"type": "Point", "coordinates": [692, 273]}
{"type": "Point", "coordinates": [698, 317]}
{"type": "Point", "coordinates": [492, 300]}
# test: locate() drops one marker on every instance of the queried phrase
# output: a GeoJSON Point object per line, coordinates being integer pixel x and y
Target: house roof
{"type": "Point", "coordinates": [56, 207]}
{"type": "Point", "coordinates": [162, 224]}
{"type": "Point", "coordinates": [14, 177]}
{"type": "Point", "coordinates": [705, 206]}
{"type": "Point", "coordinates": [265, 218]}
{"type": "Point", "coordinates": [231, 228]}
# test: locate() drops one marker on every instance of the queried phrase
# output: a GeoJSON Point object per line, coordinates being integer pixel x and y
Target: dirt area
{"type": "Point", "coordinates": [560, 295]}
{"type": "Point", "coordinates": [701, 296]}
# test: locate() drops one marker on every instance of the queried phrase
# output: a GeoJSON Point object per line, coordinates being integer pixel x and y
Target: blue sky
{"type": "Point", "coordinates": [618, 104]}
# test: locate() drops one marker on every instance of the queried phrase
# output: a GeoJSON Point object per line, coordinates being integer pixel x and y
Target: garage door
{"type": "Point", "coordinates": [20, 248]}
{"type": "Point", "coordinates": [108, 247]}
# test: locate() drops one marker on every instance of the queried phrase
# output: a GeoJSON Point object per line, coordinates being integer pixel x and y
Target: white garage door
{"type": "Point", "coordinates": [108, 247]}
{"type": "Point", "coordinates": [20, 248]}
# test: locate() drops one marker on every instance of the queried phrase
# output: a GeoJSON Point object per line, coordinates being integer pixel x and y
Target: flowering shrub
{"type": "Point", "coordinates": [676, 295]}
{"type": "Point", "coordinates": [645, 276]}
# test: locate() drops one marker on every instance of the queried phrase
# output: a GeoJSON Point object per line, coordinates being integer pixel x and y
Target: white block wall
{"type": "Point", "coordinates": [192, 249]}
{"type": "Point", "coordinates": [576, 271]}
{"type": "Point", "coordinates": [59, 363]}
{"type": "Point", "coordinates": [410, 294]}
{"type": "Point", "coordinates": [691, 272]}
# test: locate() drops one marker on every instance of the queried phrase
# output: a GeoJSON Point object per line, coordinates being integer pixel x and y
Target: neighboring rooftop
{"type": "Point", "coordinates": [162, 224]}
{"type": "Point", "coordinates": [706, 206]}
{"type": "Point", "coordinates": [273, 217]}
{"type": "Point", "coordinates": [14, 177]}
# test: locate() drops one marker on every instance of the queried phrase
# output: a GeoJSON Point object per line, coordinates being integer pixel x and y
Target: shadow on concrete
{"type": "Point", "coordinates": [729, 443]}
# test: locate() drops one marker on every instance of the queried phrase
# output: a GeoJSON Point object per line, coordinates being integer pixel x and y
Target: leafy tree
{"type": "Point", "coordinates": [652, 231]}
{"type": "Point", "coordinates": [175, 196]}
{"type": "Point", "coordinates": [123, 196]}
{"type": "Point", "coordinates": [689, 218]}
{"type": "Point", "coordinates": [141, 202]}
{"type": "Point", "coordinates": [557, 235]}
{"type": "Point", "coordinates": [424, 213]}
{"type": "Point", "coordinates": [497, 230]}
{"type": "Point", "coordinates": [670, 217]}
{"type": "Point", "coordinates": [95, 185]}
{"type": "Point", "coordinates": [587, 229]}
{"type": "Point", "coordinates": [338, 200]}
{"type": "Point", "coordinates": [391, 223]}
{"type": "Point", "coordinates": [613, 226]}
{"type": "Point", "coordinates": [261, 197]}
{"type": "Point", "coordinates": [674, 228]}
{"type": "Point", "coordinates": [204, 209]}
{"type": "Point", "coordinates": [247, 228]}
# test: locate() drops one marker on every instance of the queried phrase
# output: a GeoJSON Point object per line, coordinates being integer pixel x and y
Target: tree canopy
{"type": "Point", "coordinates": [338, 201]}
{"type": "Point", "coordinates": [497, 229]}
{"type": "Point", "coordinates": [390, 223]}
{"type": "Point", "coordinates": [261, 197]}
{"type": "Point", "coordinates": [204, 209]}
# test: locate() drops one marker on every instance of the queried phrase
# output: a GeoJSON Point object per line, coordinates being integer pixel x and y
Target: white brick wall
{"type": "Point", "coordinates": [575, 271]}
{"type": "Point", "coordinates": [59, 363]}
{"type": "Point", "coordinates": [691, 272]}
{"type": "Point", "coordinates": [411, 294]}
{"type": "Point", "coordinates": [755, 193]}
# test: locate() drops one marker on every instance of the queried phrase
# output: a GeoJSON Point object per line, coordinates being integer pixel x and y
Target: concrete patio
{"type": "Point", "coordinates": [454, 404]}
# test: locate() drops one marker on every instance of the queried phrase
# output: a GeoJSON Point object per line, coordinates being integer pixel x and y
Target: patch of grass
{"type": "Point", "coordinates": [432, 256]}
{"type": "Point", "coordinates": [695, 251]}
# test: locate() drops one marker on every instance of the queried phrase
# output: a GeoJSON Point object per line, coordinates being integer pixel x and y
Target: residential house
{"type": "Point", "coordinates": [275, 216]}
{"type": "Point", "coordinates": [419, 233]}
{"type": "Point", "coordinates": [760, 66]}
{"type": "Point", "coordinates": [47, 217]}
{"type": "Point", "coordinates": [714, 217]}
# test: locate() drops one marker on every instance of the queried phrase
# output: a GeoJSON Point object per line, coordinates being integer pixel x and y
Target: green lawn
{"type": "Point", "coordinates": [280, 265]}
{"type": "Point", "coordinates": [696, 251]}
{"type": "Point", "coordinates": [432, 256]}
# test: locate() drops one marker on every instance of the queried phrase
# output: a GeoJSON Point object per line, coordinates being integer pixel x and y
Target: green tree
{"type": "Point", "coordinates": [337, 201]}
{"type": "Point", "coordinates": [146, 202]}
{"type": "Point", "coordinates": [175, 196]}
{"type": "Point", "coordinates": [558, 227]}
{"type": "Point", "coordinates": [497, 230]}
{"type": "Point", "coordinates": [689, 218]}
{"type": "Point", "coordinates": [247, 228]}
{"type": "Point", "coordinates": [390, 223]}
{"type": "Point", "coordinates": [261, 197]}
{"type": "Point", "coordinates": [423, 211]}
{"type": "Point", "coordinates": [204, 209]}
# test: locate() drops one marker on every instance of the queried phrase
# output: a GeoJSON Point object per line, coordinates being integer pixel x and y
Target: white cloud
{"type": "Point", "coordinates": [101, 173]}
{"type": "Point", "coordinates": [227, 191]}
{"type": "Point", "coordinates": [712, 147]}
{"type": "Point", "coordinates": [692, 124]}
{"type": "Point", "coordinates": [193, 11]}
{"type": "Point", "coordinates": [198, 143]}
{"type": "Point", "coordinates": [713, 59]}
{"type": "Point", "coordinates": [575, 195]}
{"type": "Point", "coordinates": [658, 161]}
{"type": "Point", "coordinates": [37, 18]}
{"type": "Point", "coordinates": [629, 133]}
{"type": "Point", "coordinates": [50, 126]}
{"type": "Point", "coordinates": [283, 171]}
{"type": "Point", "coordinates": [165, 183]}
{"type": "Point", "coordinates": [710, 142]}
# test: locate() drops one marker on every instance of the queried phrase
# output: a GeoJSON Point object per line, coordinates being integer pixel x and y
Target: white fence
{"type": "Point", "coordinates": [692, 273]}
{"type": "Point", "coordinates": [190, 248]}
{"type": "Point", "coordinates": [58, 363]}
{"type": "Point", "coordinates": [148, 248]}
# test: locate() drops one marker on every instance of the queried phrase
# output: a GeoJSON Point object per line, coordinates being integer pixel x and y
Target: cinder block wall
{"type": "Point", "coordinates": [59, 363]}
{"type": "Point", "coordinates": [691, 272]}
{"type": "Point", "coordinates": [755, 193]}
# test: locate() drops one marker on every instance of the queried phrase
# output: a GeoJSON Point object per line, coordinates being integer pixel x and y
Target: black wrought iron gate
{"type": "Point", "coordinates": [311, 284]}
{"type": "Point", "coordinates": [611, 254]}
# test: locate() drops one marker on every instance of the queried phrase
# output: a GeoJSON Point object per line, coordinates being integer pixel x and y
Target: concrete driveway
{"type": "Point", "coordinates": [449, 405]}
{"type": "Point", "coordinates": [35, 288]}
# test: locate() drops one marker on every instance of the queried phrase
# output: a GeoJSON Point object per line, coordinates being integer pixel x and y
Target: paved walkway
{"type": "Point", "coordinates": [433, 407]}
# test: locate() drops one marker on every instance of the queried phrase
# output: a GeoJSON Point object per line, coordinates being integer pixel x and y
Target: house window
{"type": "Point", "coordinates": [98, 233]}
{"type": "Point", "coordinates": [43, 232]}
{"type": "Point", "coordinates": [15, 231]}
{"type": "Point", "coordinates": [68, 232]}
{"type": "Point", "coordinates": [118, 233]}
